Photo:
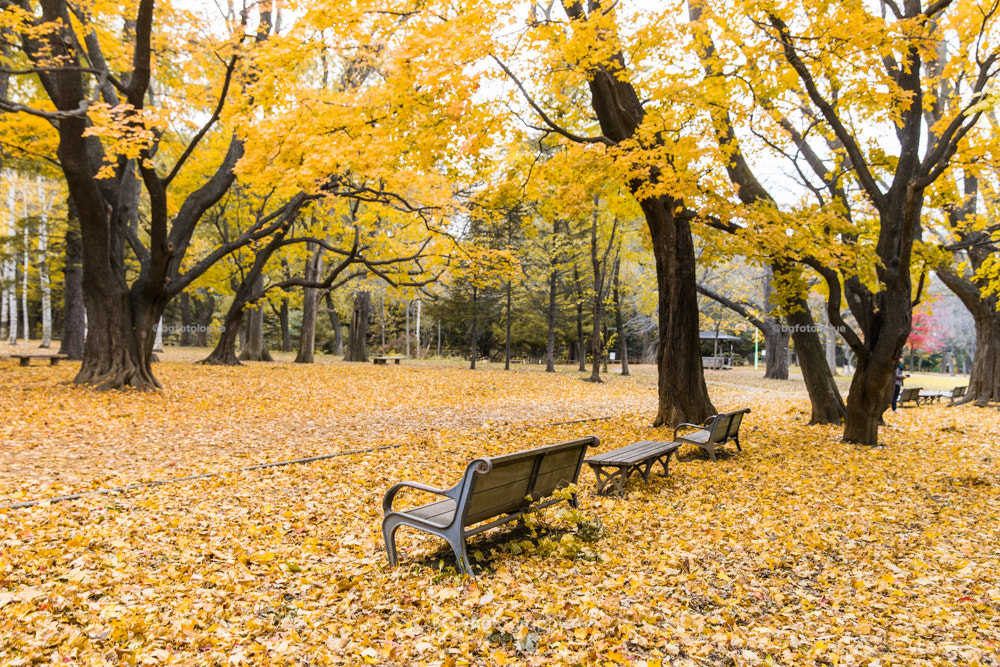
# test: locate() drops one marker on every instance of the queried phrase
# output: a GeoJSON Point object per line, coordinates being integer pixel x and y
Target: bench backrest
{"type": "Point", "coordinates": [910, 394]}
{"type": "Point", "coordinates": [958, 392]}
{"type": "Point", "coordinates": [514, 478]}
{"type": "Point", "coordinates": [726, 426]}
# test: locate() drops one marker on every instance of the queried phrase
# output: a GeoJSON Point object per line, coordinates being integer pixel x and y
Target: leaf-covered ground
{"type": "Point", "coordinates": [800, 550]}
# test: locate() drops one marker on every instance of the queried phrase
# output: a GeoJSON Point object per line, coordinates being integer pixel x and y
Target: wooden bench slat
{"type": "Point", "coordinates": [639, 456]}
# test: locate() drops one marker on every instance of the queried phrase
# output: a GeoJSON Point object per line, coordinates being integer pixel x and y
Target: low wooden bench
{"type": "Point", "coordinates": [384, 360]}
{"type": "Point", "coordinates": [936, 396]}
{"type": "Point", "coordinates": [715, 432]}
{"type": "Point", "coordinates": [909, 395]}
{"type": "Point", "coordinates": [26, 358]}
{"type": "Point", "coordinates": [493, 491]}
{"type": "Point", "coordinates": [618, 465]}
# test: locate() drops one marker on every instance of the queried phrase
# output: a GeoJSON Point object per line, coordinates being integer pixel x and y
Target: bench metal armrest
{"type": "Point", "coordinates": [455, 493]}
{"type": "Point", "coordinates": [396, 488]}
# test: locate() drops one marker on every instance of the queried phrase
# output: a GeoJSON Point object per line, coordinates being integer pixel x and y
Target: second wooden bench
{"type": "Point", "coordinates": [616, 466]}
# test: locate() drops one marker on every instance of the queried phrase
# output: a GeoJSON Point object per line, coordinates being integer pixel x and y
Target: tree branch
{"type": "Point", "coordinates": [548, 121]}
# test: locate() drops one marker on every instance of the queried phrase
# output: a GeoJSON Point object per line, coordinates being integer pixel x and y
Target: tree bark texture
{"type": "Point", "coordinates": [357, 346]}
{"type": "Point", "coordinates": [74, 318]}
{"type": "Point", "coordinates": [310, 307]}
{"type": "Point", "coordinates": [338, 330]}
{"type": "Point", "coordinates": [256, 347]}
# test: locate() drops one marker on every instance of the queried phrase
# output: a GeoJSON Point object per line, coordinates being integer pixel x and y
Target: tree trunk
{"type": "Point", "coordinates": [506, 365]}
{"type": "Point", "coordinates": [776, 352]}
{"type": "Point", "coordinates": [357, 348]}
{"type": "Point", "coordinates": [984, 380]}
{"type": "Point", "coordinates": [43, 268]}
{"type": "Point", "coordinates": [256, 347]}
{"type": "Point", "coordinates": [550, 343]}
{"type": "Point", "coordinates": [286, 331]}
{"type": "Point", "coordinates": [74, 319]}
{"type": "Point", "coordinates": [581, 350]}
{"type": "Point", "coordinates": [224, 353]}
{"type": "Point", "coordinates": [338, 330]}
{"type": "Point", "coordinates": [619, 326]}
{"type": "Point", "coordinates": [824, 395]}
{"type": "Point", "coordinates": [9, 293]}
{"type": "Point", "coordinates": [683, 394]}
{"type": "Point", "coordinates": [310, 306]}
{"type": "Point", "coordinates": [474, 333]}
{"type": "Point", "coordinates": [204, 312]}
{"type": "Point", "coordinates": [186, 323]}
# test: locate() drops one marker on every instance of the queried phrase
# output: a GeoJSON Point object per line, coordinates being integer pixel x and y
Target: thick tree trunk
{"type": "Point", "coordinates": [827, 403]}
{"type": "Point", "coordinates": [204, 311]}
{"type": "Point", "coordinates": [256, 347]}
{"type": "Point", "coordinates": [357, 346]}
{"type": "Point", "coordinates": [286, 331]}
{"type": "Point", "coordinates": [186, 322]}
{"type": "Point", "coordinates": [310, 306]}
{"type": "Point", "coordinates": [307, 339]}
{"type": "Point", "coordinates": [683, 395]}
{"type": "Point", "coordinates": [984, 380]}
{"type": "Point", "coordinates": [74, 319]}
{"type": "Point", "coordinates": [776, 352]}
{"type": "Point", "coordinates": [224, 353]}
{"type": "Point", "coordinates": [338, 330]}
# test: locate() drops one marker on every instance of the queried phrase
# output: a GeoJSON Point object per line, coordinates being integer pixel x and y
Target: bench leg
{"type": "Point", "coordinates": [664, 461]}
{"type": "Point", "coordinates": [25, 361]}
{"type": "Point", "coordinates": [389, 534]}
{"type": "Point", "coordinates": [711, 452]}
{"type": "Point", "coordinates": [454, 537]}
{"type": "Point", "coordinates": [53, 361]}
{"type": "Point", "coordinates": [618, 477]}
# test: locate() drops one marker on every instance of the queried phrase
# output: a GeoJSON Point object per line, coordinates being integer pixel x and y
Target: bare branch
{"type": "Point", "coordinates": [558, 129]}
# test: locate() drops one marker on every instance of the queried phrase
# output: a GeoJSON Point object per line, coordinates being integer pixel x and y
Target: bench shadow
{"type": "Point", "coordinates": [485, 548]}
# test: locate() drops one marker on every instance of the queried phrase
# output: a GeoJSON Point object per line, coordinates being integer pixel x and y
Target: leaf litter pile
{"type": "Point", "coordinates": [799, 550]}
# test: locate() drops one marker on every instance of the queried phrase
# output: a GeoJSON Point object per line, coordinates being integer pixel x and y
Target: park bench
{"type": "Point", "coordinates": [618, 465]}
{"type": "Point", "coordinates": [383, 360]}
{"type": "Point", "coordinates": [26, 358]}
{"type": "Point", "coordinates": [493, 491]}
{"type": "Point", "coordinates": [909, 395]}
{"type": "Point", "coordinates": [717, 363]}
{"type": "Point", "coordinates": [715, 432]}
{"type": "Point", "coordinates": [935, 396]}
